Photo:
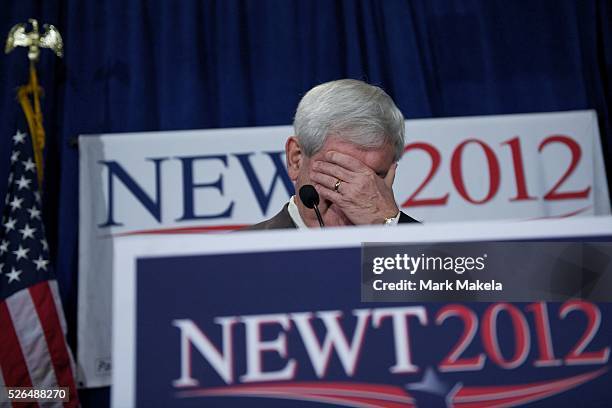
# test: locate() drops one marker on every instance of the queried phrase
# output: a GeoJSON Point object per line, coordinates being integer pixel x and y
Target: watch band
{"type": "Point", "coordinates": [391, 221]}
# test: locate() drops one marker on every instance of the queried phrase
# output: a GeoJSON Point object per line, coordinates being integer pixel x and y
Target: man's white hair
{"type": "Point", "coordinates": [352, 110]}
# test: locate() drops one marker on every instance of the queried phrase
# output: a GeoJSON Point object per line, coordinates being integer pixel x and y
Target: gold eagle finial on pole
{"type": "Point", "coordinates": [50, 38]}
{"type": "Point", "coordinates": [29, 95]}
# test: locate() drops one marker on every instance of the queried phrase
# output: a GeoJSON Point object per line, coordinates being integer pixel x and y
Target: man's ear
{"type": "Point", "coordinates": [294, 156]}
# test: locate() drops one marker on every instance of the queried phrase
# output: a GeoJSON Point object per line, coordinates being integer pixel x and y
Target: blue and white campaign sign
{"type": "Point", "coordinates": [476, 168]}
{"type": "Point", "coordinates": [274, 319]}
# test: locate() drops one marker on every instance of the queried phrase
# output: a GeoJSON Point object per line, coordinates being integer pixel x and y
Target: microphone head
{"type": "Point", "coordinates": [309, 196]}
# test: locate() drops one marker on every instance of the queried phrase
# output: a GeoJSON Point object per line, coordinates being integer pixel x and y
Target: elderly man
{"type": "Point", "coordinates": [349, 137]}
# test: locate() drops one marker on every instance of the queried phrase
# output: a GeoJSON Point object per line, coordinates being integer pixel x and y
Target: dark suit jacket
{"type": "Point", "coordinates": [283, 220]}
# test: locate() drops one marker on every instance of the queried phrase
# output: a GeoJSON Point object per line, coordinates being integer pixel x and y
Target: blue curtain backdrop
{"type": "Point", "coordinates": [140, 65]}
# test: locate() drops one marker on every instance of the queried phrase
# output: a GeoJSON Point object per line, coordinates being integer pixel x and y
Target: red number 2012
{"type": "Point", "coordinates": [455, 361]}
{"type": "Point", "coordinates": [522, 194]}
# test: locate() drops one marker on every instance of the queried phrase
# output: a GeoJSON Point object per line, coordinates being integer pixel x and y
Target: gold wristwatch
{"type": "Point", "coordinates": [389, 222]}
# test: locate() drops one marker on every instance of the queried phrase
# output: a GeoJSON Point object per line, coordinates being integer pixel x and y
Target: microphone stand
{"type": "Point", "coordinates": [316, 208]}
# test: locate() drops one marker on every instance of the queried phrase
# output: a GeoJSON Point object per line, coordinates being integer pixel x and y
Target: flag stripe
{"type": "Point", "coordinates": [58, 306]}
{"type": "Point", "coordinates": [14, 369]}
{"type": "Point", "coordinates": [3, 393]}
{"type": "Point", "coordinates": [47, 312]}
{"type": "Point", "coordinates": [31, 339]}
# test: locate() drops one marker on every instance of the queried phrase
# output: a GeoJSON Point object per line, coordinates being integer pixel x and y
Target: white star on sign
{"type": "Point", "coordinates": [14, 157]}
{"type": "Point", "coordinates": [23, 182]}
{"type": "Point", "coordinates": [16, 203]}
{"type": "Point", "coordinates": [4, 247]}
{"type": "Point", "coordinates": [27, 232]}
{"type": "Point", "coordinates": [44, 244]}
{"type": "Point", "coordinates": [37, 196]}
{"type": "Point", "coordinates": [29, 165]}
{"type": "Point", "coordinates": [21, 253]}
{"type": "Point", "coordinates": [10, 224]}
{"type": "Point", "coordinates": [19, 137]}
{"type": "Point", "coordinates": [13, 275]}
{"type": "Point", "coordinates": [10, 180]}
{"type": "Point", "coordinates": [41, 263]}
{"type": "Point", "coordinates": [1, 268]}
{"type": "Point", "coordinates": [34, 213]}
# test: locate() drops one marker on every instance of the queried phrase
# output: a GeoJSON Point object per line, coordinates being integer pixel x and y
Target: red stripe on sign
{"type": "Point", "coordinates": [183, 230]}
{"type": "Point", "coordinates": [56, 343]}
{"type": "Point", "coordinates": [12, 362]}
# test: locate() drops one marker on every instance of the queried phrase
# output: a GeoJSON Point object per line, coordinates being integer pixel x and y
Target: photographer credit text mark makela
{"type": "Point", "coordinates": [413, 264]}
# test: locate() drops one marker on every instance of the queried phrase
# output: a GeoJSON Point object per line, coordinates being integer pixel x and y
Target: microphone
{"type": "Point", "coordinates": [310, 198]}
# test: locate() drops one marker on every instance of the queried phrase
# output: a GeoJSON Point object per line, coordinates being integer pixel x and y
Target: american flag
{"type": "Point", "coordinates": [33, 349]}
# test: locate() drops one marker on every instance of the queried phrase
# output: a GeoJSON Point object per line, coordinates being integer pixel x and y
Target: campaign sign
{"type": "Point", "coordinates": [521, 167]}
{"type": "Point", "coordinates": [275, 319]}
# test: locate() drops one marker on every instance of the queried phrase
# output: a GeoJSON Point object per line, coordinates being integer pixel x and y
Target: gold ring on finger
{"type": "Point", "coordinates": [337, 186]}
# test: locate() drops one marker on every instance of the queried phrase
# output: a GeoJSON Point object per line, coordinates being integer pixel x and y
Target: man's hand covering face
{"type": "Point", "coordinates": [364, 196]}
